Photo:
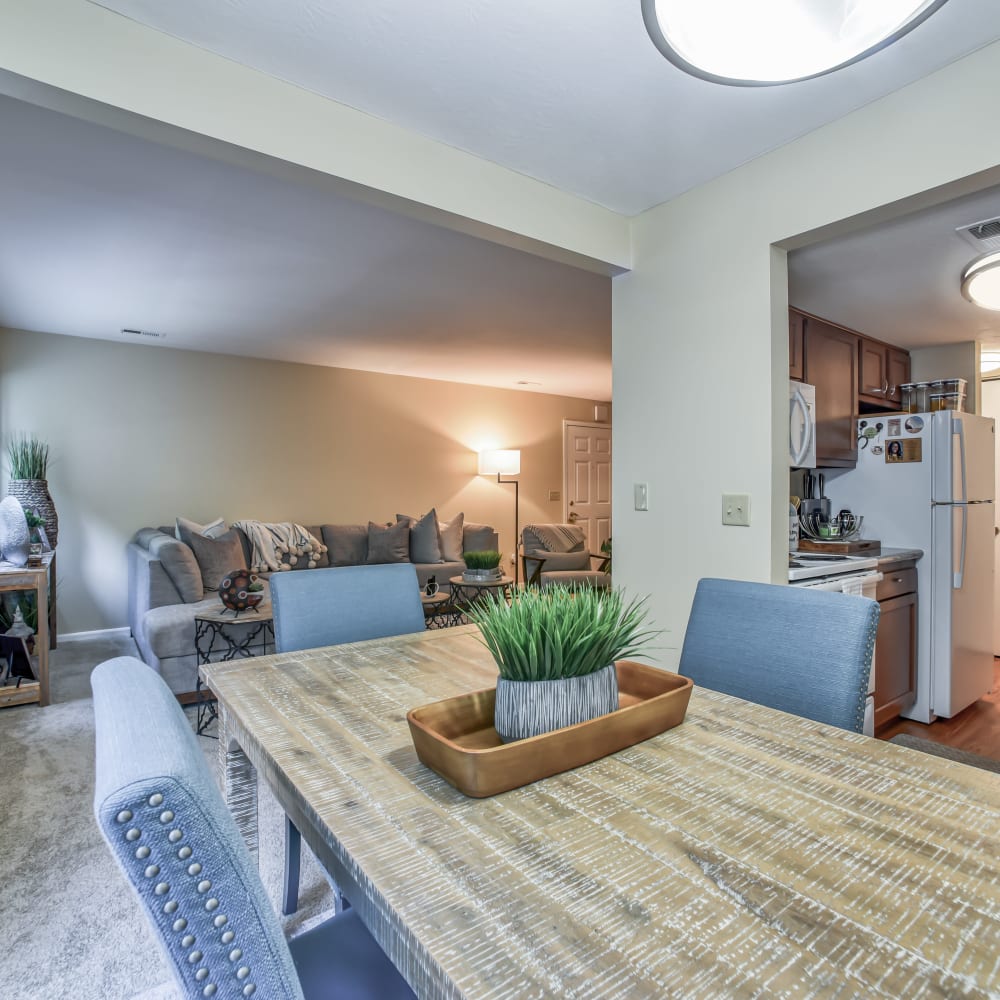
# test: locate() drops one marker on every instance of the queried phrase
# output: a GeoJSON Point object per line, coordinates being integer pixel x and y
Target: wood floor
{"type": "Point", "coordinates": [976, 729]}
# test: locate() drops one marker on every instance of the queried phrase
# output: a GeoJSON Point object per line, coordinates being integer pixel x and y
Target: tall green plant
{"type": "Point", "coordinates": [28, 457]}
{"type": "Point", "coordinates": [554, 633]}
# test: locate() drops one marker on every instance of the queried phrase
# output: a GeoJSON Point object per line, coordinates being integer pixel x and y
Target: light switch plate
{"type": "Point", "coordinates": [641, 493]}
{"type": "Point", "coordinates": [555, 495]}
{"type": "Point", "coordinates": [736, 509]}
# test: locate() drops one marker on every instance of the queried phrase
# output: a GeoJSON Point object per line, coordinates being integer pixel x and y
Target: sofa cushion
{"type": "Point", "coordinates": [180, 565]}
{"type": "Point", "coordinates": [451, 538]}
{"type": "Point", "coordinates": [388, 543]}
{"type": "Point", "coordinates": [478, 538]}
{"type": "Point", "coordinates": [347, 544]}
{"type": "Point", "coordinates": [169, 630]}
{"type": "Point", "coordinates": [425, 541]}
{"type": "Point", "coordinates": [184, 528]}
{"type": "Point", "coordinates": [561, 560]}
{"type": "Point", "coordinates": [217, 556]}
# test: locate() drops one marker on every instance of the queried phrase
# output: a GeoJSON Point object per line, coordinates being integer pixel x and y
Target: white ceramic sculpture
{"type": "Point", "coordinates": [14, 534]}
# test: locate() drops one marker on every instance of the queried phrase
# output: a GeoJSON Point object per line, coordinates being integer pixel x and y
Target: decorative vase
{"type": "Point", "coordinates": [481, 575]}
{"type": "Point", "coordinates": [33, 494]}
{"type": "Point", "coordinates": [530, 708]}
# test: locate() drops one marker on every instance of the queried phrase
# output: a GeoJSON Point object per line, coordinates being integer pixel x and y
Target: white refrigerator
{"type": "Point", "coordinates": [926, 481]}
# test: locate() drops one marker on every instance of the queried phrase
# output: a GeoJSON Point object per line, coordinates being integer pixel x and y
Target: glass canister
{"type": "Point", "coordinates": [922, 401]}
{"type": "Point", "coordinates": [936, 401]}
{"type": "Point", "coordinates": [952, 385]}
{"type": "Point", "coordinates": [952, 401]}
{"type": "Point", "coordinates": [907, 397]}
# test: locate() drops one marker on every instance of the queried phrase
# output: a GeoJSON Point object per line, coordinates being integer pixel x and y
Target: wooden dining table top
{"type": "Point", "coordinates": [745, 852]}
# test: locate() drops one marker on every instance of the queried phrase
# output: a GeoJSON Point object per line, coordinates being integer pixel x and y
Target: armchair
{"type": "Point", "coordinates": [557, 553]}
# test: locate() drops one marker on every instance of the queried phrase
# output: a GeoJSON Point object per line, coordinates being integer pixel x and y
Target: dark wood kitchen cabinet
{"type": "Point", "coordinates": [830, 362]}
{"type": "Point", "coordinates": [881, 370]}
{"type": "Point", "coordinates": [896, 643]}
{"type": "Point", "coordinates": [795, 321]}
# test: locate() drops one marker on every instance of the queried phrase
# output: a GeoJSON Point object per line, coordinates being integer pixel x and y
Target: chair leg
{"type": "Point", "coordinates": [293, 859]}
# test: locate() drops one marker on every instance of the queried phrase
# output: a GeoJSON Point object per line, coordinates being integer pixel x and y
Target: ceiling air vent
{"type": "Point", "coordinates": [984, 236]}
{"type": "Point", "coordinates": [143, 334]}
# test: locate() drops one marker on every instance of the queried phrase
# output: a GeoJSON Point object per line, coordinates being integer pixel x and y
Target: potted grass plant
{"type": "Point", "coordinates": [481, 566]}
{"type": "Point", "coordinates": [556, 649]}
{"type": "Point", "coordinates": [28, 458]}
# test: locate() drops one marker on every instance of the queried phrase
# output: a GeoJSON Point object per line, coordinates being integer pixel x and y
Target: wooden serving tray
{"type": "Point", "coordinates": [858, 545]}
{"type": "Point", "coordinates": [456, 737]}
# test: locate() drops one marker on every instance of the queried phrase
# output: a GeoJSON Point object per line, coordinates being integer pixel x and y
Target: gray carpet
{"type": "Point", "coordinates": [71, 925]}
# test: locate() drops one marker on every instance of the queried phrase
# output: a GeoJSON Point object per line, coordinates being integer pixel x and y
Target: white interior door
{"type": "Point", "coordinates": [587, 479]}
{"type": "Point", "coordinates": [991, 408]}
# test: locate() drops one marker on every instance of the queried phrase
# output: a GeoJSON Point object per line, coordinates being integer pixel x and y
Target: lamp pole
{"type": "Point", "coordinates": [517, 526]}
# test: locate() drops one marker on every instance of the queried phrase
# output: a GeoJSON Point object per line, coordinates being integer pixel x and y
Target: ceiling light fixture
{"type": "Point", "coordinates": [989, 361]}
{"type": "Point", "coordinates": [981, 281]}
{"type": "Point", "coordinates": [770, 42]}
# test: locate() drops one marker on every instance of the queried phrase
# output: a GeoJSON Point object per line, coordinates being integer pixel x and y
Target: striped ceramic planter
{"type": "Point", "coordinates": [530, 708]}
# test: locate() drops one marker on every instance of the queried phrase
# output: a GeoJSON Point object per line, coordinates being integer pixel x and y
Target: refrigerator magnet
{"type": "Point", "coordinates": [910, 450]}
{"type": "Point", "coordinates": [893, 429]}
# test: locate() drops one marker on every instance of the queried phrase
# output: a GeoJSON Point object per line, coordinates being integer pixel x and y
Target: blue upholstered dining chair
{"type": "Point", "coordinates": [326, 607]}
{"type": "Point", "coordinates": [803, 651]}
{"type": "Point", "coordinates": [170, 832]}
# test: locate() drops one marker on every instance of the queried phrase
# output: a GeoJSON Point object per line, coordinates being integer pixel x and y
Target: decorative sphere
{"type": "Point", "coordinates": [240, 589]}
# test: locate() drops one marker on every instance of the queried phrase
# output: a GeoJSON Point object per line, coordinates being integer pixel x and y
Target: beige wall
{"type": "Point", "coordinates": [700, 326]}
{"type": "Point", "coordinates": [950, 361]}
{"type": "Point", "coordinates": [140, 434]}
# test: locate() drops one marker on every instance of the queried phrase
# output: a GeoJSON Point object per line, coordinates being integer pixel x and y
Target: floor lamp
{"type": "Point", "coordinates": [505, 463]}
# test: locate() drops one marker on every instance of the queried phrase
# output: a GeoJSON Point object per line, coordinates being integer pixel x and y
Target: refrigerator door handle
{"type": "Point", "coordinates": [958, 428]}
{"type": "Point", "coordinates": [798, 454]}
{"type": "Point", "coordinates": [960, 575]}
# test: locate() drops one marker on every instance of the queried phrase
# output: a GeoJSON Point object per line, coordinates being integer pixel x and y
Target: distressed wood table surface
{"type": "Point", "coordinates": [744, 853]}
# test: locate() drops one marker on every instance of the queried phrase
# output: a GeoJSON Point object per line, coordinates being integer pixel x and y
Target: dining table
{"type": "Point", "coordinates": [743, 853]}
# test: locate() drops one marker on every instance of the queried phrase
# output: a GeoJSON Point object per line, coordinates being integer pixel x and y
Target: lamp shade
{"type": "Point", "coordinates": [500, 463]}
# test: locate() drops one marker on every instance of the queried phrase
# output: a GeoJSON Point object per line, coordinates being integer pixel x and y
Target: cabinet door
{"type": "Point", "coordinates": [830, 362]}
{"type": "Point", "coordinates": [872, 374]}
{"type": "Point", "coordinates": [895, 658]}
{"type": "Point", "coordinates": [897, 372]}
{"type": "Point", "coordinates": [795, 344]}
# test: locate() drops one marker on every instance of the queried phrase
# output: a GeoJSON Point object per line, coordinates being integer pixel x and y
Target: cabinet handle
{"type": "Point", "coordinates": [897, 579]}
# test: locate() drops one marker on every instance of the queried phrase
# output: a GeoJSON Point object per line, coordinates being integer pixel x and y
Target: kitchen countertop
{"type": "Point", "coordinates": [890, 557]}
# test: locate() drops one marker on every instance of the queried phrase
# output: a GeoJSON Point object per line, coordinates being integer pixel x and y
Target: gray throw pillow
{"type": "Point", "coordinates": [217, 556]}
{"type": "Point", "coordinates": [347, 544]}
{"type": "Point", "coordinates": [388, 543]}
{"type": "Point", "coordinates": [478, 538]}
{"type": "Point", "coordinates": [184, 528]}
{"type": "Point", "coordinates": [451, 538]}
{"type": "Point", "coordinates": [425, 542]}
{"type": "Point", "coordinates": [180, 564]}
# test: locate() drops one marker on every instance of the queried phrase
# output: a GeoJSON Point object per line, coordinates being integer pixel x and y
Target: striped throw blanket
{"type": "Point", "coordinates": [278, 547]}
{"type": "Point", "coordinates": [558, 537]}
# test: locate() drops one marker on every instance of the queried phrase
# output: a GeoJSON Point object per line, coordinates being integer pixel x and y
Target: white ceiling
{"type": "Point", "coordinates": [103, 230]}
{"type": "Point", "coordinates": [899, 282]}
{"type": "Point", "coordinates": [570, 93]}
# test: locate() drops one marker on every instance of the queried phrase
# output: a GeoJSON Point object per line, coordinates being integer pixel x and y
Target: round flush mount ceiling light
{"type": "Point", "coordinates": [981, 281]}
{"type": "Point", "coordinates": [989, 361]}
{"type": "Point", "coordinates": [768, 42]}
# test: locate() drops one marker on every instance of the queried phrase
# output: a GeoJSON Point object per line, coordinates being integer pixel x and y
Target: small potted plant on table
{"type": "Point", "coordinates": [556, 651]}
{"type": "Point", "coordinates": [481, 566]}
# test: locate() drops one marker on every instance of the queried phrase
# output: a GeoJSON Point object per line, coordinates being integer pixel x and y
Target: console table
{"type": "Point", "coordinates": [34, 578]}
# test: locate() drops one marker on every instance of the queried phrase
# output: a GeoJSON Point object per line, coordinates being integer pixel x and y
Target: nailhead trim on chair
{"type": "Point", "coordinates": [151, 805]}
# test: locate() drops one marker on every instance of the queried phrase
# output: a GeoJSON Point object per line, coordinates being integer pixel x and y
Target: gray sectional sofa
{"type": "Point", "coordinates": [166, 587]}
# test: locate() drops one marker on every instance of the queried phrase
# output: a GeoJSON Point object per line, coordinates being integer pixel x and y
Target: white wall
{"type": "Point", "coordinates": [950, 361]}
{"type": "Point", "coordinates": [700, 326]}
{"type": "Point", "coordinates": [140, 434]}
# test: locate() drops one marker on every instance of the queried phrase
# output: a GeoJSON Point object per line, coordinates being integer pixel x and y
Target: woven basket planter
{"type": "Point", "coordinates": [33, 494]}
{"type": "Point", "coordinates": [530, 708]}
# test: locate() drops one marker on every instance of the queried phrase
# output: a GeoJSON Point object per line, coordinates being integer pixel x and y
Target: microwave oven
{"type": "Point", "coordinates": [801, 425]}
